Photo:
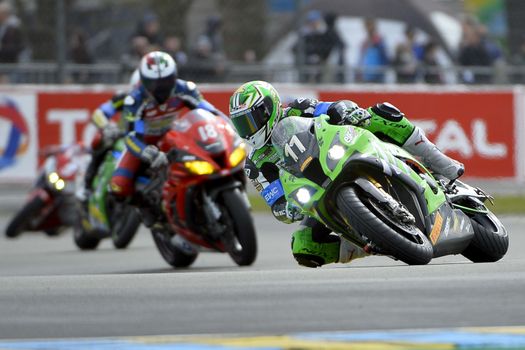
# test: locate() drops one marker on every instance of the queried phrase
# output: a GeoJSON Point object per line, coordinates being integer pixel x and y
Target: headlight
{"type": "Point", "coordinates": [53, 177]}
{"type": "Point", "coordinates": [303, 195]}
{"type": "Point", "coordinates": [238, 155]}
{"type": "Point", "coordinates": [199, 167]}
{"type": "Point", "coordinates": [60, 184]}
{"type": "Point", "coordinates": [56, 181]}
{"type": "Point", "coordinates": [336, 152]}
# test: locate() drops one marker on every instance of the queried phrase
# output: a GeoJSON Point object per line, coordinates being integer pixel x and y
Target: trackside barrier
{"type": "Point", "coordinates": [482, 127]}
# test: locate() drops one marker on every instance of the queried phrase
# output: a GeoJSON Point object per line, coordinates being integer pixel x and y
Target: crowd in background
{"type": "Point", "coordinates": [413, 60]}
{"type": "Point", "coordinates": [318, 40]}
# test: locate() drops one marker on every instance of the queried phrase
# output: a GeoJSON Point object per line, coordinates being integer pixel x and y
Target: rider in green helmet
{"type": "Point", "coordinates": [255, 109]}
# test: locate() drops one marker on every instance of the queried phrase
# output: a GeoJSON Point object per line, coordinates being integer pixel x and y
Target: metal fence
{"type": "Point", "coordinates": [305, 41]}
{"type": "Point", "coordinates": [236, 72]}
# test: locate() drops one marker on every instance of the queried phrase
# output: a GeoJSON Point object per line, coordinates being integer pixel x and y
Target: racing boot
{"type": "Point", "coordinates": [332, 249]}
{"type": "Point", "coordinates": [437, 161]}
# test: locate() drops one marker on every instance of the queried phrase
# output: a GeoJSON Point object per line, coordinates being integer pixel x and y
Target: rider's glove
{"type": "Point", "coordinates": [152, 155]}
{"type": "Point", "coordinates": [110, 132]}
{"type": "Point", "coordinates": [356, 117]}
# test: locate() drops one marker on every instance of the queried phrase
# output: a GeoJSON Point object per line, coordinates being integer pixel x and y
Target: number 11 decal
{"type": "Point", "coordinates": [294, 142]}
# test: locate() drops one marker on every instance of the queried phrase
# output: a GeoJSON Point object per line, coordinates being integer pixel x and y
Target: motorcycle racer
{"type": "Point", "coordinates": [107, 132]}
{"type": "Point", "coordinates": [255, 109]}
{"type": "Point", "coordinates": [149, 110]}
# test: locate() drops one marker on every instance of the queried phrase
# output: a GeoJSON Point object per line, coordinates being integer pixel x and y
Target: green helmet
{"type": "Point", "coordinates": [255, 108]}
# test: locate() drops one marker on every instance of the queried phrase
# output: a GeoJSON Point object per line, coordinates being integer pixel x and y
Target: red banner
{"type": "Point", "coordinates": [62, 116]}
{"type": "Point", "coordinates": [477, 128]}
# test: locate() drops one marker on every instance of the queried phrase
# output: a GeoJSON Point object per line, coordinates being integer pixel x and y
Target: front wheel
{"type": "Point", "coordinates": [403, 241]}
{"type": "Point", "coordinates": [490, 242]}
{"type": "Point", "coordinates": [20, 221]}
{"type": "Point", "coordinates": [82, 237]}
{"type": "Point", "coordinates": [125, 224]}
{"type": "Point", "coordinates": [172, 254]}
{"type": "Point", "coordinates": [241, 242]}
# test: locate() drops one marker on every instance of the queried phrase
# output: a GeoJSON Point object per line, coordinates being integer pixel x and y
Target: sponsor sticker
{"type": "Point", "coordinates": [436, 230]}
{"type": "Point", "coordinates": [273, 192]}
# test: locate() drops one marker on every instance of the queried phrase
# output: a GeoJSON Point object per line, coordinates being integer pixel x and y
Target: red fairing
{"type": "Point", "coordinates": [198, 136]}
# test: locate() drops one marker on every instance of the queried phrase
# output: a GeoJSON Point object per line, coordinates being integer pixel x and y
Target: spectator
{"type": "Point", "coordinates": [518, 60]}
{"type": "Point", "coordinates": [249, 56]}
{"type": "Point", "coordinates": [204, 65]}
{"type": "Point", "coordinates": [213, 33]}
{"type": "Point", "coordinates": [405, 64]}
{"type": "Point", "coordinates": [473, 53]}
{"type": "Point", "coordinates": [172, 45]}
{"type": "Point", "coordinates": [493, 49]}
{"type": "Point", "coordinates": [373, 57]}
{"type": "Point", "coordinates": [309, 49]}
{"type": "Point", "coordinates": [79, 54]}
{"type": "Point", "coordinates": [431, 73]}
{"type": "Point", "coordinates": [140, 46]}
{"type": "Point", "coordinates": [149, 28]}
{"type": "Point", "coordinates": [79, 51]}
{"type": "Point", "coordinates": [408, 56]}
{"type": "Point", "coordinates": [11, 40]}
{"type": "Point", "coordinates": [207, 60]}
{"type": "Point", "coordinates": [333, 43]}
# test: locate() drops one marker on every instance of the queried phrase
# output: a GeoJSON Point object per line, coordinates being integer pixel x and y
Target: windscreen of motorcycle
{"type": "Point", "coordinates": [206, 129]}
{"type": "Point", "coordinates": [296, 144]}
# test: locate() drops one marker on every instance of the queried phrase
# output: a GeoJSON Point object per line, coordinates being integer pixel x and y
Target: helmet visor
{"type": "Point", "coordinates": [160, 88]}
{"type": "Point", "coordinates": [250, 121]}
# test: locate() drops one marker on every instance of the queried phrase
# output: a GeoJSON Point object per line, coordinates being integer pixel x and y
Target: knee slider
{"type": "Point", "coordinates": [388, 111]}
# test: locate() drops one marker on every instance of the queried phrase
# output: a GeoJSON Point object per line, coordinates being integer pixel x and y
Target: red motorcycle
{"type": "Point", "coordinates": [50, 206]}
{"type": "Point", "coordinates": [202, 192]}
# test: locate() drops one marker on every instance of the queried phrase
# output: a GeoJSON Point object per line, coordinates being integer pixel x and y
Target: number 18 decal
{"type": "Point", "coordinates": [294, 142]}
{"type": "Point", "coordinates": [207, 132]}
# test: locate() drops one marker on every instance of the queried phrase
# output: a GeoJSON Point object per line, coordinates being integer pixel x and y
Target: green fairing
{"type": "Point", "coordinates": [354, 140]}
{"type": "Point", "coordinates": [97, 202]}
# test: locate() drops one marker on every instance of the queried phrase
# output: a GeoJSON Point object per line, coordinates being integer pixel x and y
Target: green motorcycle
{"type": "Point", "coordinates": [103, 216]}
{"type": "Point", "coordinates": [382, 198]}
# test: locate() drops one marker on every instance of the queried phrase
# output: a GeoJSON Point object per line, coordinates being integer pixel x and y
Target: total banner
{"type": "Point", "coordinates": [480, 128]}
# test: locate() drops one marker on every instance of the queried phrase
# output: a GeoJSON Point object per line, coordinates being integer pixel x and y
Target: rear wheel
{"type": "Point", "coordinates": [21, 220]}
{"type": "Point", "coordinates": [173, 255]}
{"type": "Point", "coordinates": [490, 242]}
{"type": "Point", "coordinates": [401, 240]}
{"type": "Point", "coordinates": [241, 242]}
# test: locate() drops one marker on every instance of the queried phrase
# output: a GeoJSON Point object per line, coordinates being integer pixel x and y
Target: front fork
{"type": "Point", "coordinates": [211, 209]}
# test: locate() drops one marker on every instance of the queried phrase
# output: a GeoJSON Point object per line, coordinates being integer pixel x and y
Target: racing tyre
{"type": "Point", "coordinates": [125, 225]}
{"type": "Point", "coordinates": [173, 255]}
{"type": "Point", "coordinates": [403, 241]}
{"type": "Point", "coordinates": [241, 243]}
{"type": "Point", "coordinates": [81, 235]}
{"type": "Point", "coordinates": [490, 242]}
{"type": "Point", "coordinates": [19, 223]}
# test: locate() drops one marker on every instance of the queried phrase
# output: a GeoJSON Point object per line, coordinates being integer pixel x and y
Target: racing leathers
{"type": "Point", "coordinates": [147, 122]}
{"type": "Point", "coordinates": [313, 244]}
{"type": "Point", "coordinates": [107, 132]}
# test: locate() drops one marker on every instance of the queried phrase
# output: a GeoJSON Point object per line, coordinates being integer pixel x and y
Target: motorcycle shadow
{"type": "Point", "coordinates": [179, 270]}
